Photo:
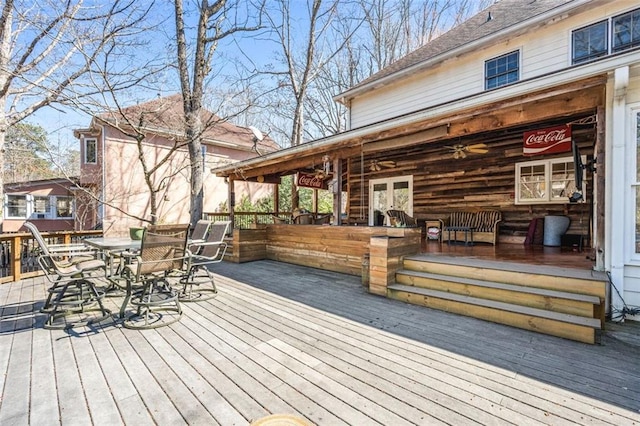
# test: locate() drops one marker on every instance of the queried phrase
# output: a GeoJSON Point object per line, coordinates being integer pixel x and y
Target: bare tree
{"type": "Point", "coordinates": [305, 51]}
{"type": "Point", "coordinates": [216, 21]}
{"type": "Point", "coordinates": [48, 49]}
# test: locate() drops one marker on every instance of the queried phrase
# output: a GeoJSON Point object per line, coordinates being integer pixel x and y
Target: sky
{"type": "Point", "coordinates": [60, 122]}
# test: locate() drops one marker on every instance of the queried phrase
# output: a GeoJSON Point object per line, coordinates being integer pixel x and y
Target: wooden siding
{"type": "Point", "coordinates": [442, 184]}
{"type": "Point", "coordinates": [339, 249]}
{"type": "Point", "coordinates": [548, 50]}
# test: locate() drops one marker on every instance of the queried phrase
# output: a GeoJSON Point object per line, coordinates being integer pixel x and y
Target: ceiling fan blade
{"type": "Point", "coordinates": [476, 146]}
{"type": "Point", "coordinates": [478, 150]}
{"type": "Point", "coordinates": [387, 163]}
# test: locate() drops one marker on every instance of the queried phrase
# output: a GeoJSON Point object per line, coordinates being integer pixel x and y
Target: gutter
{"type": "Point", "coordinates": [473, 45]}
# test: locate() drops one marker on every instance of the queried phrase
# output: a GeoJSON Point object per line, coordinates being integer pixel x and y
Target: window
{"type": "Point", "coordinates": [590, 42]}
{"type": "Point", "coordinates": [64, 207]}
{"type": "Point", "coordinates": [16, 206]}
{"type": "Point", "coordinates": [545, 181]}
{"type": "Point", "coordinates": [502, 70]}
{"type": "Point", "coordinates": [41, 207]}
{"type": "Point", "coordinates": [90, 151]}
{"type": "Point", "coordinates": [626, 31]}
{"type": "Point", "coordinates": [38, 207]}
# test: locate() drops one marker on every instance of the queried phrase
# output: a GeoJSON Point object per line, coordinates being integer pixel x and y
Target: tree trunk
{"type": "Point", "coordinates": [196, 158]}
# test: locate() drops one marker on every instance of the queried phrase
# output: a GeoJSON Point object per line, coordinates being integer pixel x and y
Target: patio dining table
{"type": "Point", "coordinates": [108, 244]}
{"type": "Point", "coordinates": [112, 249]}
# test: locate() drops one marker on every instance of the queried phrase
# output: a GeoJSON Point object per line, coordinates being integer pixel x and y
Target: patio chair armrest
{"type": "Point", "coordinates": [204, 244]}
{"type": "Point", "coordinates": [69, 249]}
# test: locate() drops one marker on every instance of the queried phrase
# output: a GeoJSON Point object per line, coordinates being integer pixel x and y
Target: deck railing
{"type": "Point", "coordinates": [19, 251]}
{"type": "Point", "coordinates": [245, 220]}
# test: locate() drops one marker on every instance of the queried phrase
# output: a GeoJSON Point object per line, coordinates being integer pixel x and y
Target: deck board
{"type": "Point", "coordinates": [288, 339]}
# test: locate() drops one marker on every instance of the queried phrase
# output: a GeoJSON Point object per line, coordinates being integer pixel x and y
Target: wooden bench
{"type": "Point", "coordinates": [484, 224]}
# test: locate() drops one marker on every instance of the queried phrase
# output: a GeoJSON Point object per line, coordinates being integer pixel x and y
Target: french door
{"type": "Point", "coordinates": [389, 194]}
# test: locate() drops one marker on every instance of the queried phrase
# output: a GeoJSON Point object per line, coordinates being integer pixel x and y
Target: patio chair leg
{"type": "Point", "coordinates": [157, 305]}
{"type": "Point", "coordinates": [206, 286]}
{"type": "Point", "coordinates": [76, 297]}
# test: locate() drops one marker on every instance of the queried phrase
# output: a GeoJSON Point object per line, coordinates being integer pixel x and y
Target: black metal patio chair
{"type": "Point", "coordinates": [73, 295]}
{"type": "Point", "coordinates": [149, 276]}
{"type": "Point", "coordinates": [198, 283]}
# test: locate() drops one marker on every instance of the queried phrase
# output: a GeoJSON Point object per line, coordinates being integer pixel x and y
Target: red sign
{"type": "Point", "coordinates": [547, 141]}
{"type": "Point", "coordinates": [309, 180]}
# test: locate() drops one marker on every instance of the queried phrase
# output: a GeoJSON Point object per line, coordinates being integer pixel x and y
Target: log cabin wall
{"type": "Point", "coordinates": [442, 184]}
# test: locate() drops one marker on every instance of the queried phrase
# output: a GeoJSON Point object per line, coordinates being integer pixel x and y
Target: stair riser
{"type": "Point", "coordinates": [567, 284]}
{"type": "Point", "coordinates": [519, 298]}
{"type": "Point", "coordinates": [527, 322]}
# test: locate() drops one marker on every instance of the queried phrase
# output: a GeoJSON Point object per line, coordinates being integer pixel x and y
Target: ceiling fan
{"type": "Point", "coordinates": [321, 173]}
{"type": "Point", "coordinates": [460, 150]}
{"type": "Point", "coordinates": [377, 165]}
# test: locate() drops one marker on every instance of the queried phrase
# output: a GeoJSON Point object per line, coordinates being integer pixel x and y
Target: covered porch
{"type": "Point", "coordinates": [437, 163]}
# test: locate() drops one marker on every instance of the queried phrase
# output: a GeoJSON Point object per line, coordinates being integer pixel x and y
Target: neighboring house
{"type": "Point", "coordinates": [112, 171]}
{"type": "Point", "coordinates": [49, 203]}
{"type": "Point", "coordinates": [470, 121]}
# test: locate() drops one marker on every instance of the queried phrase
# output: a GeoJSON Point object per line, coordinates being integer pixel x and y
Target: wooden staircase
{"type": "Point", "coordinates": [563, 302]}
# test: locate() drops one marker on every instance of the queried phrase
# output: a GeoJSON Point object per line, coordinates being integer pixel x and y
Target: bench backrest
{"type": "Point", "coordinates": [482, 221]}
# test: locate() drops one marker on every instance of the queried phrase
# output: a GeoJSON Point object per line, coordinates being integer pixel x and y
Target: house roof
{"type": "Point", "coordinates": [501, 18]}
{"type": "Point", "coordinates": [165, 116]}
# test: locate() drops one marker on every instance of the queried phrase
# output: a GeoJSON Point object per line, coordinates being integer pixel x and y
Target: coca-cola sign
{"type": "Point", "coordinates": [547, 141]}
{"type": "Point", "coordinates": [309, 180]}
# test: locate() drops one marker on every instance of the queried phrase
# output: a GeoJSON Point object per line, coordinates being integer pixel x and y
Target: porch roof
{"type": "Point", "coordinates": [474, 114]}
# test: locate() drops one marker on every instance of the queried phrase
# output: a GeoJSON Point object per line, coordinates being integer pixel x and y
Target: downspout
{"type": "Point", "coordinates": [616, 242]}
{"type": "Point", "coordinates": [103, 178]}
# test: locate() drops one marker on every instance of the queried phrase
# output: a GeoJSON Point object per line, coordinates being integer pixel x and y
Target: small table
{"type": "Point", "coordinates": [468, 234]}
{"type": "Point", "coordinates": [432, 223]}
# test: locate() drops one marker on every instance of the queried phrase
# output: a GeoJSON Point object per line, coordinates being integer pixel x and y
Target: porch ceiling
{"type": "Point", "coordinates": [559, 101]}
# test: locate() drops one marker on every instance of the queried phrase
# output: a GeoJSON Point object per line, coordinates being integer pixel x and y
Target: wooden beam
{"type": "Point", "coordinates": [599, 184]}
{"type": "Point", "coordinates": [337, 192]}
{"type": "Point", "coordinates": [408, 140]}
{"type": "Point", "coordinates": [563, 100]}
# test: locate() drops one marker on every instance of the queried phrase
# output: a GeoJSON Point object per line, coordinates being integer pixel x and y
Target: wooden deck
{"type": "Point", "coordinates": [515, 253]}
{"type": "Point", "coordinates": [281, 338]}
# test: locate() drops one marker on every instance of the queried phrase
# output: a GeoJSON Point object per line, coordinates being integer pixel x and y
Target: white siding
{"type": "Point", "coordinates": [632, 289]}
{"type": "Point", "coordinates": [543, 50]}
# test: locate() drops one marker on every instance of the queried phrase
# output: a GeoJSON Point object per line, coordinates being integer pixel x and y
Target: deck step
{"type": "Point", "coordinates": [563, 302]}
{"type": "Point", "coordinates": [569, 326]}
{"type": "Point", "coordinates": [502, 286]}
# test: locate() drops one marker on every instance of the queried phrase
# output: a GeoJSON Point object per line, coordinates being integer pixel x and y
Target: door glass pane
{"type": "Point", "coordinates": [379, 203]}
{"type": "Point", "coordinates": [401, 196]}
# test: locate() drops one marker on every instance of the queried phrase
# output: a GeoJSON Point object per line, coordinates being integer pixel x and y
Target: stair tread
{"type": "Point", "coordinates": [504, 286]}
{"type": "Point", "coordinates": [557, 316]}
{"type": "Point", "coordinates": [591, 275]}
